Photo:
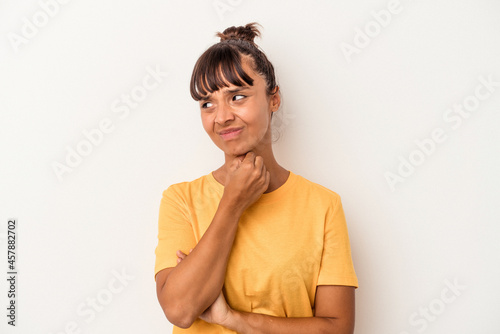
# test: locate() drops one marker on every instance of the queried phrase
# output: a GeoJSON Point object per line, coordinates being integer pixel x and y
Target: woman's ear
{"type": "Point", "coordinates": [275, 99]}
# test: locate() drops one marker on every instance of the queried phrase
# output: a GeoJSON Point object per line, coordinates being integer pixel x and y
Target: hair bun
{"type": "Point", "coordinates": [246, 33]}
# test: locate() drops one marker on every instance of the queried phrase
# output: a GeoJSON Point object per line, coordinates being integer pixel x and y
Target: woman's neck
{"type": "Point", "coordinates": [278, 174]}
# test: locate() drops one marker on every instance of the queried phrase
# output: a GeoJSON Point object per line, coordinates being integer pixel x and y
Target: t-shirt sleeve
{"type": "Point", "coordinates": [174, 230]}
{"type": "Point", "coordinates": [336, 263]}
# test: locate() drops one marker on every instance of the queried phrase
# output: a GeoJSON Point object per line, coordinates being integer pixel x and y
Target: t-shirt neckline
{"type": "Point", "coordinates": [265, 197]}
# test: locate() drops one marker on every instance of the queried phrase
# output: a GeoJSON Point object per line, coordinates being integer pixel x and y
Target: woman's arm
{"type": "Point", "coordinates": [188, 289]}
{"type": "Point", "coordinates": [185, 291]}
{"type": "Point", "coordinates": [334, 314]}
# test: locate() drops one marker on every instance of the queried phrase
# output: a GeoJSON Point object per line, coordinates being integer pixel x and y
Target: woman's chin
{"type": "Point", "coordinates": [238, 154]}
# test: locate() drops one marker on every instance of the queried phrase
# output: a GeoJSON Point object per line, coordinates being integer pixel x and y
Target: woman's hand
{"type": "Point", "coordinates": [246, 181]}
{"type": "Point", "coordinates": [219, 312]}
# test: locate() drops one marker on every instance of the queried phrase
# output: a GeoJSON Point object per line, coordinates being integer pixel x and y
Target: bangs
{"type": "Point", "coordinates": [219, 66]}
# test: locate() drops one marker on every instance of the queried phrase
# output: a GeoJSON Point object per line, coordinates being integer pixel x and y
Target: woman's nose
{"type": "Point", "coordinates": [224, 113]}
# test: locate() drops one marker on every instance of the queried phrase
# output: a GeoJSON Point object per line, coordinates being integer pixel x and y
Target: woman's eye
{"type": "Point", "coordinates": [206, 105]}
{"type": "Point", "coordinates": [238, 97]}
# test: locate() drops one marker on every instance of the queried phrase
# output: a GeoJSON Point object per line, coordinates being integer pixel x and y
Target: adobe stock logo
{"type": "Point", "coordinates": [454, 116]}
{"type": "Point", "coordinates": [223, 6]}
{"type": "Point", "coordinates": [121, 106]}
{"type": "Point", "coordinates": [430, 312]}
{"type": "Point", "coordinates": [31, 27]}
{"type": "Point", "coordinates": [94, 304]}
{"type": "Point", "coordinates": [280, 120]}
{"type": "Point", "coordinates": [363, 37]}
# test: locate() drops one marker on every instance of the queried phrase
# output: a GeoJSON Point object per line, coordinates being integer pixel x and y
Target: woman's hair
{"type": "Point", "coordinates": [221, 64]}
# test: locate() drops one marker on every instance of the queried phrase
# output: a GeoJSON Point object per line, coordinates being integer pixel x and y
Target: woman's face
{"type": "Point", "coordinates": [246, 109]}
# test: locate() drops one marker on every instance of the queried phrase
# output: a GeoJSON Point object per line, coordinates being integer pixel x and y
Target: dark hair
{"type": "Point", "coordinates": [220, 65]}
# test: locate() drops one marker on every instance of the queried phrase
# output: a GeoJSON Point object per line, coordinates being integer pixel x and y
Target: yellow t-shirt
{"type": "Point", "coordinates": [288, 242]}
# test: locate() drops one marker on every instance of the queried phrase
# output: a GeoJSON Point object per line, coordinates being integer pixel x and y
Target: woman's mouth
{"type": "Point", "coordinates": [231, 134]}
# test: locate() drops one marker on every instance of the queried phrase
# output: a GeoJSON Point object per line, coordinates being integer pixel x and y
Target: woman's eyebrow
{"type": "Point", "coordinates": [235, 90]}
{"type": "Point", "coordinates": [225, 91]}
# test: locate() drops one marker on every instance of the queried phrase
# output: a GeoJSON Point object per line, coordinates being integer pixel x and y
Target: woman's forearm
{"type": "Point", "coordinates": [194, 284]}
{"type": "Point", "coordinates": [254, 323]}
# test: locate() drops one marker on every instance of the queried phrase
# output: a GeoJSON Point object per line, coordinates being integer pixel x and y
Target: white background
{"type": "Point", "coordinates": [345, 122]}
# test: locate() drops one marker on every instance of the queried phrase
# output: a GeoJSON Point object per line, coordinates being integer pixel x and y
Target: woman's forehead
{"type": "Point", "coordinates": [231, 89]}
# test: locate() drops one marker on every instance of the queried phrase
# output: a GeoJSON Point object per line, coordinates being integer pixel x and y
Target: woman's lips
{"type": "Point", "coordinates": [230, 135]}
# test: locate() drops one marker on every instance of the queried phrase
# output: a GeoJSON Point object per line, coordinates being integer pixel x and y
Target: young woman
{"type": "Point", "coordinates": [250, 247]}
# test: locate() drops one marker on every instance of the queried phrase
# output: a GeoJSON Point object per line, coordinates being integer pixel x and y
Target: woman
{"type": "Point", "coordinates": [250, 247]}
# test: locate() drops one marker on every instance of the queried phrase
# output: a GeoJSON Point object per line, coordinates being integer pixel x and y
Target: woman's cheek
{"type": "Point", "coordinates": [208, 125]}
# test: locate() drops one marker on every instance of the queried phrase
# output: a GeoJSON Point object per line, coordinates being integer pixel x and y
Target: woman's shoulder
{"type": "Point", "coordinates": [314, 187]}
{"type": "Point", "coordinates": [186, 187]}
